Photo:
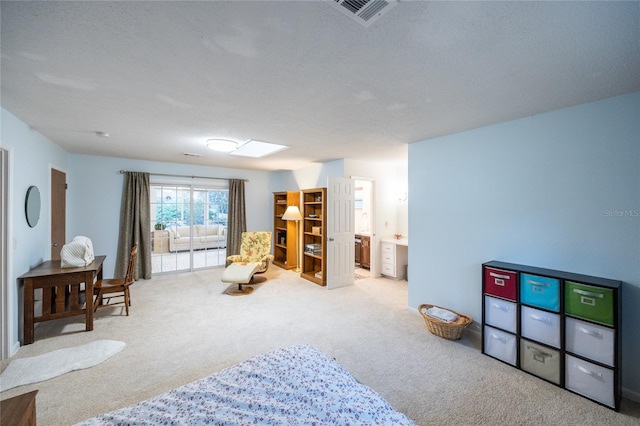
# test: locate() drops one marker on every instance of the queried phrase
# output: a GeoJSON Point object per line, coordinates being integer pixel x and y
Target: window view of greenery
{"type": "Point", "coordinates": [189, 227]}
{"type": "Point", "coordinates": [171, 206]}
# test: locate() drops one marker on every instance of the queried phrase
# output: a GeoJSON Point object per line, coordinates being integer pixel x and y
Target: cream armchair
{"type": "Point", "coordinates": [254, 247]}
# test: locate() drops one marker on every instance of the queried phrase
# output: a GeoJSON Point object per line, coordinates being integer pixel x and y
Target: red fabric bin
{"type": "Point", "coordinates": [501, 283]}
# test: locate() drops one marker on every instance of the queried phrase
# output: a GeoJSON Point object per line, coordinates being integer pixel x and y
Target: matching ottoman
{"type": "Point", "coordinates": [239, 273]}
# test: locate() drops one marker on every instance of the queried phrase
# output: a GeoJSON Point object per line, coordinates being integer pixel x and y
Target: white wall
{"type": "Point", "coordinates": [540, 191]}
{"type": "Point", "coordinates": [390, 213]}
{"type": "Point", "coordinates": [402, 210]}
{"type": "Point", "coordinates": [314, 176]}
{"type": "Point", "coordinates": [363, 214]}
{"type": "Point", "coordinates": [32, 156]}
{"type": "Point", "coordinates": [389, 180]}
{"type": "Point", "coordinates": [95, 193]}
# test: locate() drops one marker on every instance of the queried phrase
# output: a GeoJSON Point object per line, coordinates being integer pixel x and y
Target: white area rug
{"type": "Point", "coordinates": [24, 371]}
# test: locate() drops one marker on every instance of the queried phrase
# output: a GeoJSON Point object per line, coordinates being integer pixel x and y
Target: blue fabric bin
{"type": "Point", "coordinates": [542, 292]}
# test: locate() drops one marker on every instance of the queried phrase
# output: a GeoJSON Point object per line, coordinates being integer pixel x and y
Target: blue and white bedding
{"type": "Point", "coordinates": [298, 385]}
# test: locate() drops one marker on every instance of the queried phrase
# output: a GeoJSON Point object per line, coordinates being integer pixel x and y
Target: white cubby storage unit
{"type": "Point", "coordinates": [561, 327]}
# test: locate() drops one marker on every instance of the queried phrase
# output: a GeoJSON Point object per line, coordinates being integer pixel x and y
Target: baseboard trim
{"type": "Point", "coordinates": [631, 395]}
{"type": "Point", "coordinates": [474, 327]}
{"type": "Point", "coordinates": [15, 348]}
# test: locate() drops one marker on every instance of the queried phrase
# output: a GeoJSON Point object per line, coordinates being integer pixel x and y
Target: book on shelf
{"type": "Point", "coordinates": [313, 248]}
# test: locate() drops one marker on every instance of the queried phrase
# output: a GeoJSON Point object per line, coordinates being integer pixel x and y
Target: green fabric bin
{"type": "Point", "coordinates": [589, 302]}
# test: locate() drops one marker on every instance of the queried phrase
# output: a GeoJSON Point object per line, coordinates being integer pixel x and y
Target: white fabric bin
{"type": "Point", "coordinates": [590, 340]}
{"type": "Point", "coordinates": [500, 313]}
{"type": "Point", "coordinates": [500, 344]}
{"type": "Point", "coordinates": [590, 380]}
{"type": "Point", "coordinates": [540, 326]}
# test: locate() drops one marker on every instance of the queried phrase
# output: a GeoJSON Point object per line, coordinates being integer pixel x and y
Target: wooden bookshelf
{"type": "Point", "coordinates": [284, 231]}
{"type": "Point", "coordinates": [313, 235]}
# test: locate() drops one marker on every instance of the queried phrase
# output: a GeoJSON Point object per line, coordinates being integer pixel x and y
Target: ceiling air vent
{"type": "Point", "coordinates": [364, 12]}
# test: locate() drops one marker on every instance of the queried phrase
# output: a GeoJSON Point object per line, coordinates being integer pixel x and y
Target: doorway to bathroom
{"type": "Point", "coordinates": [363, 226]}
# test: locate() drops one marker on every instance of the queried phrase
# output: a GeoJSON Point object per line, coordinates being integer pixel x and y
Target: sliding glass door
{"type": "Point", "coordinates": [190, 226]}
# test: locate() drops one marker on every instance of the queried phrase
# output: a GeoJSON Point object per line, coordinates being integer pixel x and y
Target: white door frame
{"type": "Point", "coordinates": [8, 292]}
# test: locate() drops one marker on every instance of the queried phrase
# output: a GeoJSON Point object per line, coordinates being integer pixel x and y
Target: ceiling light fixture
{"type": "Point", "coordinates": [102, 134]}
{"type": "Point", "coordinates": [222, 145]}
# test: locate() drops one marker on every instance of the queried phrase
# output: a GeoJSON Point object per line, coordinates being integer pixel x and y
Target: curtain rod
{"type": "Point", "coordinates": [185, 176]}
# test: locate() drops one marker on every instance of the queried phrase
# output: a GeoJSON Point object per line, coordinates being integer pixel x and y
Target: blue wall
{"type": "Point", "coordinates": [32, 156]}
{"type": "Point", "coordinates": [559, 190]}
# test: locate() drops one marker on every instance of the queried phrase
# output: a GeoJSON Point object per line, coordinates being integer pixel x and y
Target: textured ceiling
{"type": "Point", "coordinates": [162, 77]}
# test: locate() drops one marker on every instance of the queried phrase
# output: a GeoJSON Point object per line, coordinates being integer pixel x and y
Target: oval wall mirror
{"type": "Point", "coordinates": [32, 206]}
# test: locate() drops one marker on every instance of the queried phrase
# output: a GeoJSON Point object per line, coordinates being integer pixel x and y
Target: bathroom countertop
{"type": "Point", "coordinates": [399, 242]}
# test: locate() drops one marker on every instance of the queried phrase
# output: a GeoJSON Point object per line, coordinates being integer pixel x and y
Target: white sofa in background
{"type": "Point", "coordinates": [204, 237]}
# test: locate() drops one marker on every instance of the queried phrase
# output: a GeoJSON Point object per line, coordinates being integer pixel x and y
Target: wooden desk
{"type": "Point", "coordinates": [60, 293]}
{"type": "Point", "coordinates": [19, 410]}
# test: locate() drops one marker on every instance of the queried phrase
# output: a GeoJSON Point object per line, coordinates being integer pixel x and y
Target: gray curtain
{"type": "Point", "coordinates": [135, 225]}
{"type": "Point", "coordinates": [237, 218]}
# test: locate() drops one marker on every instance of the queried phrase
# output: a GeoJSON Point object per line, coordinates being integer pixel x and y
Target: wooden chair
{"type": "Point", "coordinates": [116, 287]}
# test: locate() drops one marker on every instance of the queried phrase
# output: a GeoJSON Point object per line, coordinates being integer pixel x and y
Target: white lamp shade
{"type": "Point", "coordinates": [292, 213]}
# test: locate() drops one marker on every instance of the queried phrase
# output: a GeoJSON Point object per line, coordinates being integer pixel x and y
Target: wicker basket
{"type": "Point", "coordinates": [449, 330]}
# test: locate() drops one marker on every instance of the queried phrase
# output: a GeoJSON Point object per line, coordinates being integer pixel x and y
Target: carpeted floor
{"type": "Point", "coordinates": [182, 327]}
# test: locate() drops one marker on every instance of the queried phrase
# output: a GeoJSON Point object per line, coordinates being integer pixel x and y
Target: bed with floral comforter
{"type": "Point", "coordinates": [298, 385]}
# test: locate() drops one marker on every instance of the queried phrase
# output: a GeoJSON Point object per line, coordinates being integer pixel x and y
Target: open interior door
{"type": "Point", "coordinates": [340, 232]}
{"type": "Point", "coordinates": [58, 212]}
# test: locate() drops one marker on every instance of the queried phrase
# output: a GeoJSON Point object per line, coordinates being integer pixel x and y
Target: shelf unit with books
{"type": "Point", "coordinates": [284, 231]}
{"type": "Point", "coordinates": [313, 235]}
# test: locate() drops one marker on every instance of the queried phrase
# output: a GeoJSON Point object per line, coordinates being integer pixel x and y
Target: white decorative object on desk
{"type": "Point", "coordinates": [77, 254]}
